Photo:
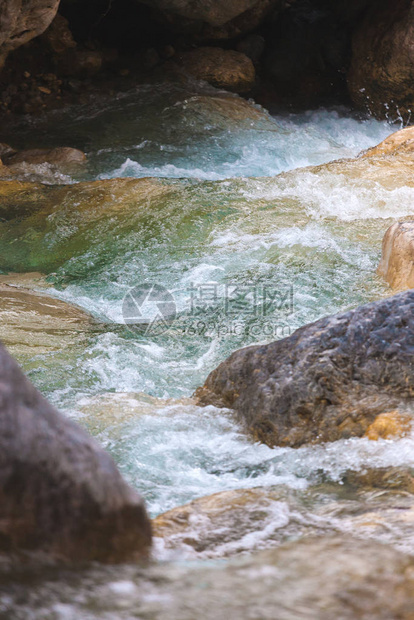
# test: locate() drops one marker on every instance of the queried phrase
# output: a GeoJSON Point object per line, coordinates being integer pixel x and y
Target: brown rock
{"type": "Point", "coordinates": [328, 380]}
{"type": "Point", "coordinates": [59, 491]}
{"type": "Point", "coordinates": [22, 20]}
{"type": "Point", "coordinates": [58, 36]}
{"type": "Point", "coordinates": [390, 425]}
{"type": "Point", "coordinates": [222, 68]}
{"type": "Point", "coordinates": [61, 156]}
{"type": "Point", "coordinates": [220, 524]}
{"type": "Point", "coordinates": [397, 260]}
{"type": "Point", "coordinates": [399, 144]}
{"type": "Point", "coordinates": [34, 323]}
{"type": "Point", "coordinates": [381, 77]}
{"type": "Point", "coordinates": [388, 478]}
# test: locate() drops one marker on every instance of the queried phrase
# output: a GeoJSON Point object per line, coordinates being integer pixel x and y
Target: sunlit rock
{"type": "Point", "coordinates": [400, 144]}
{"type": "Point", "coordinates": [389, 426]}
{"type": "Point", "coordinates": [33, 323]}
{"type": "Point", "coordinates": [397, 260]}
{"type": "Point", "coordinates": [60, 493]}
{"type": "Point", "coordinates": [327, 381]}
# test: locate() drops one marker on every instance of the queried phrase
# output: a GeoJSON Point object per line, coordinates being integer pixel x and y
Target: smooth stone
{"type": "Point", "coordinates": [61, 494]}
{"type": "Point", "coordinates": [32, 322]}
{"type": "Point", "coordinates": [60, 156]}
{"type": "Point", "coordinates": [397, 259]}
{"type": "Point", "coordinates": [375, 500]}
{"type": "Point", "coordinates": [400, 144]}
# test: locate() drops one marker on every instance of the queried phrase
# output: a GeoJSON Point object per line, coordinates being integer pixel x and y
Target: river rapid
{"type": "Point", "coordinates": [247, 245]}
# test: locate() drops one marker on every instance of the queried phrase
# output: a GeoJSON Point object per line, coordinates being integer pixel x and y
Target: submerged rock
{"type": "Point", "coordinates": [222, 68]}
{"type": "Point", "coordinates": [375, 502]}
{"type": "Point", "coordinates": [327, 381]}
{"type": "Point", "coordinates": [60, 493]}
{"type": "Point", "coordinates": [79, 204]}
{"type": "Point", "coordinates": [227, 523]}
{"type": "Point", "coordinates": [390, 478]}
{"type": "Point", "coordinates": [324, 578]}
{"type": "Point", "coordinates": [397, 260]}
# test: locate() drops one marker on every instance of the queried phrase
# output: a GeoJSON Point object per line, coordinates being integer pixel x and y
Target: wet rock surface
{"type": "Point", "coordinates": [324, 578]}
{"type": "Point", "coordinates": [372, 503]}
{"type": "Point", "coordinates": [397, 260]}
{"type": "Point", "coordinates": [62, 157]}
{"type": "Point", "coordinates": [329, 380]}
{"type": "Point", "coordinates": [60, 493]}
{"type": "Point", "coordinates": [33, 323]}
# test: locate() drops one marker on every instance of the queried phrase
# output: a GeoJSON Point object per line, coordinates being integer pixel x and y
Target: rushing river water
{"type": "Point", "coordinates": [243, 256]}
{"type": "Point", "coordinates": [223, 241]}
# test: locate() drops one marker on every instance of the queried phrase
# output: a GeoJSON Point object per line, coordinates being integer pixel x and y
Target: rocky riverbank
{"type": "Point", "coordinates": [281, 52]}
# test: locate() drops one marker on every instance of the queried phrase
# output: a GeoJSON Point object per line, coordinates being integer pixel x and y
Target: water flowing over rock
{"type": "Point", "coordinates": [21, 21]}
{"type": "Point", "coordinates": [381, 76]}
{"type": "Point", "coordinates": [325, 578]}
{"type": "Point", "coordinates": [228, 523]}
{"type": "Point", "coordinates": [397, 260]}
{"type": "Point", "coordinates": [60, 493]}
{"type": "Point", "coordinates": [63, 158]}
{"type": "Point", "coordinates": [327, 381]}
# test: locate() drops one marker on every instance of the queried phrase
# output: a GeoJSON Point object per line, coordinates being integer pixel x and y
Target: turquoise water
{"type": "Point", "coordinates": [225, 232]}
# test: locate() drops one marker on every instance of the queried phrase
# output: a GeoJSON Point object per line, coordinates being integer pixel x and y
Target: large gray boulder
{"type": "Point", "coordinates": [22, 20]}
{"type": "Point", "coordinates": [60, 493]}
{"type": "Point", "coordinates": [327, 381]}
